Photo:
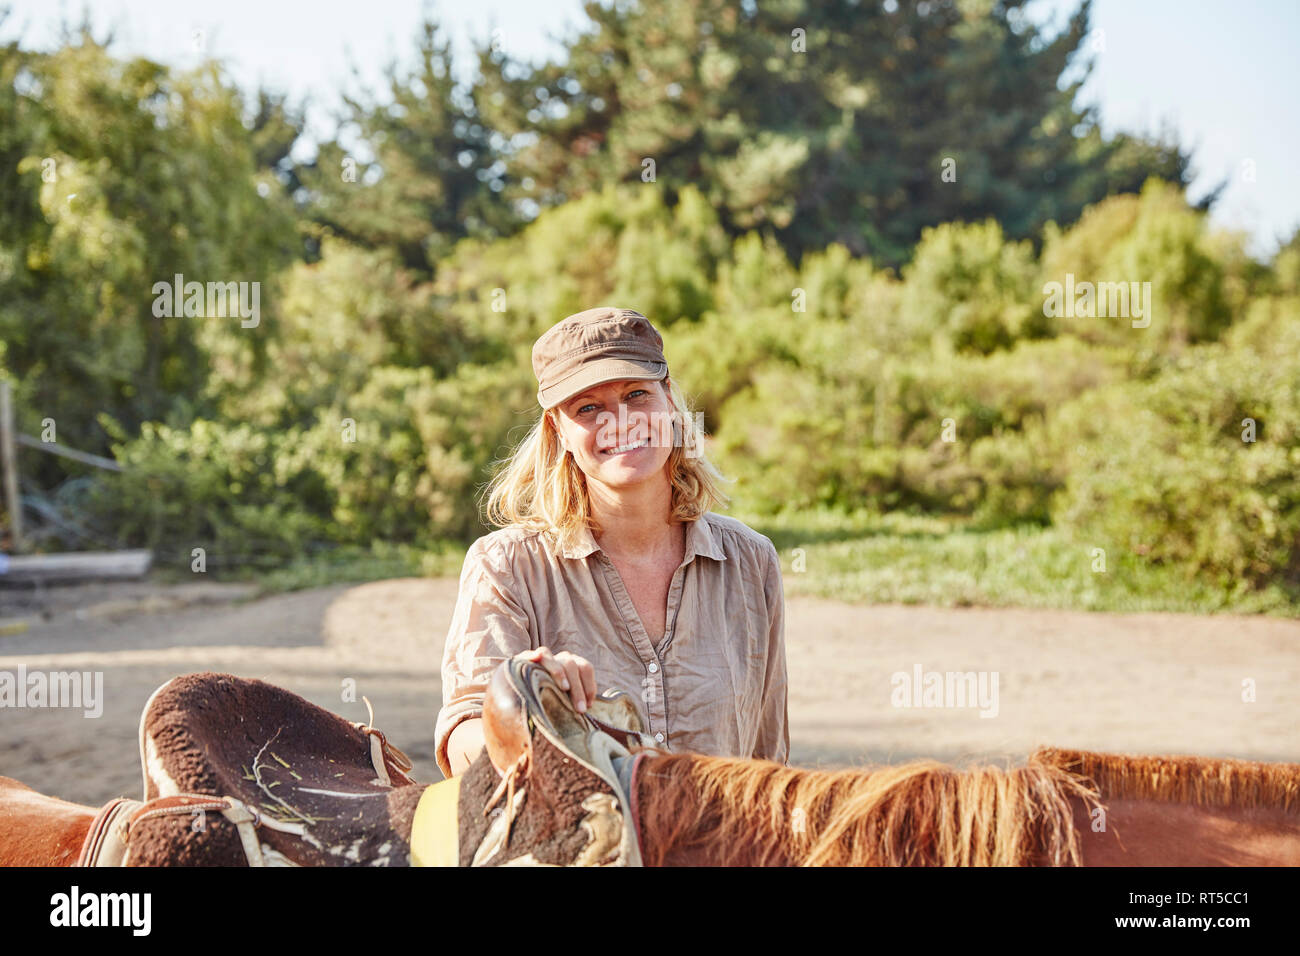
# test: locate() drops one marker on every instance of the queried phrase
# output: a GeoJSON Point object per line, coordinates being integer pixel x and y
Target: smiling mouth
{"type": "Point", "coordinates": [622, 449]}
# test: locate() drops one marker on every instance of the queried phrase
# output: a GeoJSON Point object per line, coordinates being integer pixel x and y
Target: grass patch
{"type": "Point", "coordinates": [903, 559]}
{"type": "Point", "coordinates": [341, 565]}
{"type": "Point", "coordinates": [869, 558]}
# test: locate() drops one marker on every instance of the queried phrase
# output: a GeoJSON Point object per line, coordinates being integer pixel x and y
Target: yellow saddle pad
{"type": "Point", "coordinates": [435, 831]}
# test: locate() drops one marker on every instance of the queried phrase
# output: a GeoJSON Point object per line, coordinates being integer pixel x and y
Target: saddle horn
{"type": "Point", "coordinates": [505, 721]}
{"type": "Point", "coordinates": [506, 730]}
{"type": "Point", "coordinates": [524, 709]}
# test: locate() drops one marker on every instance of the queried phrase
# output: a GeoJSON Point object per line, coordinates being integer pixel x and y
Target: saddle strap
{"type": "Point", "coordinates": [108, 838]}
{"type": "Point", "coordinates": [105, 843]}
{"type": "Point", "coordinates": [245, 819]}
{"type": "Point", "coordinates": [382, 753]}
{"type": "Point", "coordinates": [377, 758]}
{"type": "Point", "coordinates": [389, 762]}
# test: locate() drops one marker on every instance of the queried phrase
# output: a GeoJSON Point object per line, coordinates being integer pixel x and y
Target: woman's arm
{"type": "Point", "coordinates": [490, 624]}
{"type": "Point", "coordinates": [464, 745]}
{"type": "Point", "coordinates": [774, 718]}
{"type": "Point", "coordinates": [573, 673]}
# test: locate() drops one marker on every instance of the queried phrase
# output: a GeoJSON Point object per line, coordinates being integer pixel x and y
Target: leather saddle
{"type": "Point", "coordinates": [240, 772]}
{"type": "Point", "coordinates": [567, 778]}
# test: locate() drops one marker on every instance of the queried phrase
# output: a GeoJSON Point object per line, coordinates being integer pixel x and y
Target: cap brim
{"type": "Point", "coordinates": [597, 373]}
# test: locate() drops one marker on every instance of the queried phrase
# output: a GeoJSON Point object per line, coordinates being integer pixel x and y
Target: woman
{"type": "Point", "coordinates": [609, 568]}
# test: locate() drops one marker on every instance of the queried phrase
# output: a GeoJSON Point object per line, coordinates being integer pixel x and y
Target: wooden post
{"type": "Point", "coordinates": [9, 462]}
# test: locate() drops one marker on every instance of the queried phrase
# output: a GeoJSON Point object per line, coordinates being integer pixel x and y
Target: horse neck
{"type": "Point", "coordinates": [1147, 832]}
{"type": "Point", "coordinates": [682, 823]}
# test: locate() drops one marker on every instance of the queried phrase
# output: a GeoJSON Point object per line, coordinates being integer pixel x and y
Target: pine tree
{"type": "Point", "coordinates": [820, 122]}
{"type": "Point", "coordinates": [431, 177]}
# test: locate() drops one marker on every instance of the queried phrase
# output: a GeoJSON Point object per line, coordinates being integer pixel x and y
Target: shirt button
{"type": "Point", "coordinates": [659, 737]}
{"type": "Point", "coordinates": [653, 667]}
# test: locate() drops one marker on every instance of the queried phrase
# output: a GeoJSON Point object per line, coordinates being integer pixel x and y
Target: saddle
{"type": "Point", "coordinates": [240, 772]}
{"type": "Point", "coordinates": [561, 774]}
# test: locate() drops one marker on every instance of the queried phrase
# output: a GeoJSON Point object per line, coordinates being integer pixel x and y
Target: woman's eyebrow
{"type": "Point", "coordinates": [592, 394]}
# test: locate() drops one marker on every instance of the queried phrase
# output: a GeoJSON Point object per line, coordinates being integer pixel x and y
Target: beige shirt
{"type": "Point", "coordinates": [714, 682]}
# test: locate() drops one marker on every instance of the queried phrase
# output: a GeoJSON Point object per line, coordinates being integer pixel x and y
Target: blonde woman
{"type": "Point", "coordinates": [610, 570]}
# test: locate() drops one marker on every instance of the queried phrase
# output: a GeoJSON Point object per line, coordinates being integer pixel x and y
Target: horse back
{"type": "Point", "coordinates": [39, 830]}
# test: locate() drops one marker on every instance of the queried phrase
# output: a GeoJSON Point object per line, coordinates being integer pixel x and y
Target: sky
{"type": "Point", "coordinates": [1222, 73]}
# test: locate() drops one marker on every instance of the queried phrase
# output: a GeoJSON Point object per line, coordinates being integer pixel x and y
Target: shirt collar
{"type": "Point", "coordinates": [700, 541]}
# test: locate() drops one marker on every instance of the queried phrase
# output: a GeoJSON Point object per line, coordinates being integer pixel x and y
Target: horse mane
{"type": "Point", "coordinates": [1201, 781]}
{"type": "Point", "coordinates": [923, 813]}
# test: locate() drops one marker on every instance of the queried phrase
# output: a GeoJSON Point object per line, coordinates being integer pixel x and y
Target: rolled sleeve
{"type": "Point", "coordinates": [489, 626]}
{"type": "Point", "coordinates": [774, 721]}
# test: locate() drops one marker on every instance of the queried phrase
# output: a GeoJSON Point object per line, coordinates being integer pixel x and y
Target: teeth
{"type": "Point", "coordinates": [622, 448]}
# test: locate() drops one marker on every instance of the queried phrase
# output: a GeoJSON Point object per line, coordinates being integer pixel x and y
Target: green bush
{"type": "Point", "coordinates": [402, 457]}
{"type": "Point", "coordinates": [399, 461]}
{"type": "Point", "coordinates": [1155, 238]}
{"type": "Point", "coordinates": [969, 289]}
{"type": "Point", "coordinates": [213, 486]}
{"type": "Point", "coordinates": [796, 443]}
{"type": "Point", "coordinates": [622, 246]}
{"type": "Point", "coordinates": [947, 393]}
{"type": "Point", "coordinates": [1286, 266]}
{"type": "Point", "coordinates": [1161, 468]}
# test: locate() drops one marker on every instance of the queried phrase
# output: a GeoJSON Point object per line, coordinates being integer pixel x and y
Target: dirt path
{"type": "Point", "coordinates": [1134, 682]}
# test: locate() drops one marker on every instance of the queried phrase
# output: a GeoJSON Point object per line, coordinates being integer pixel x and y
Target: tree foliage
{"type": "Point", "coordinates": [822, 123]}
{"type": "Point", "coordinates": [119, 175]}
{"type": "Point", "coordinates": [858, 330]}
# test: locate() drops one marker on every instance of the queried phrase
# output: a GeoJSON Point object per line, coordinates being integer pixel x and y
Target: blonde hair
{"type": "Point", "coordinates": [541, 488]}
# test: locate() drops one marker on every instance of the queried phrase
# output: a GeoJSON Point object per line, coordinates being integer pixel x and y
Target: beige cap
{"type": "Point", "coordinates": [593, 347]}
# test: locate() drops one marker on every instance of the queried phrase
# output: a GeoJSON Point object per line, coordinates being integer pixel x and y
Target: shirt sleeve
{"type": "Point", "coordinates": [489, 626]}
{"type": "Point", "coordinates": [774, 721]}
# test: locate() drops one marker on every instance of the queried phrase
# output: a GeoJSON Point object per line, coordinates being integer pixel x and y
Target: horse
{"type": "Point", "coordinates": [690, 809]}
{"type": "Point", "coordinates": [1064, 808]}
{"type": "Point", "coordinates": [577, 791]}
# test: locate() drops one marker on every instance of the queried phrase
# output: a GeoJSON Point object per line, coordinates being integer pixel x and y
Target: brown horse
{"type": "Point", "coordinates": [36, 830]}
{"type": "Point", "coordinates": [1065, 808]}
{"type": "Point", "coordinates": [290, 783]}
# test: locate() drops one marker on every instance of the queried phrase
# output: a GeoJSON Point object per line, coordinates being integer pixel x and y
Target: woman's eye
{"type": "Point", "coordinates": [635, 393]}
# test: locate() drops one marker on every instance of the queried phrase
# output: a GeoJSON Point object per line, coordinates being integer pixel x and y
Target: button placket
{"type": "Point", "coordinates": [654, 683]}
{"type": "Point", "coordinates": [674, 608]}
{"type": "Point", "coordinates": [674, 605]}
{"type": "Point", "coordinates": [656, 706]}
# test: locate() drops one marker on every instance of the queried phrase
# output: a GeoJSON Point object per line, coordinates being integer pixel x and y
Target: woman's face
{"type": "Point", "coordinates": [619, 433]}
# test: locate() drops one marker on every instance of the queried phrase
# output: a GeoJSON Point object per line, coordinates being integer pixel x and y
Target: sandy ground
{"type": "Point", "coordinates": [1141, 683]}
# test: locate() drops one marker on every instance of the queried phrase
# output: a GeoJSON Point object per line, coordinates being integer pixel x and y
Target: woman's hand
{"type": "Point", "coordinates": [573, 673]}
